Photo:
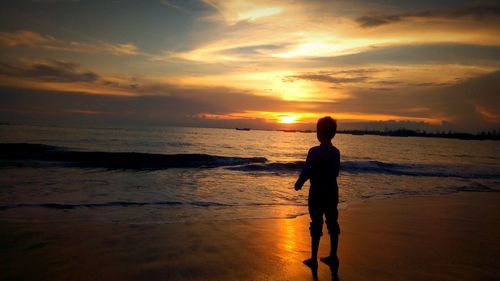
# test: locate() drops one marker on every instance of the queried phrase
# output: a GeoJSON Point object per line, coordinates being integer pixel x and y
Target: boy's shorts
{"type": "Point", "coordinates": [318, 208]}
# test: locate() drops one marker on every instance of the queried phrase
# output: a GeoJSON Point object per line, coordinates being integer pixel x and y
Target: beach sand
{"type": "Point", "coordinates": [448, 237]}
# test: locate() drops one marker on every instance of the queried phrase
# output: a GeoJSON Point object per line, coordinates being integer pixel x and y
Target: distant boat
{"type": "Point", "coordinates": [243, 129]}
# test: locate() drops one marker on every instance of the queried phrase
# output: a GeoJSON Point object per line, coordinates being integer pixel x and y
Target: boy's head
{"type": "Point", "coordinates": [326, 129]}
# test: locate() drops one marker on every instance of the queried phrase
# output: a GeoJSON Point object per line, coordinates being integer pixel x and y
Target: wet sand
{"type": "Point", "coordinates": [449, 237]}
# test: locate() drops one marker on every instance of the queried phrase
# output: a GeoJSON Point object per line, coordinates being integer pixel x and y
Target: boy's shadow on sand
{"type": "Point", "coordinates": [333, 269]}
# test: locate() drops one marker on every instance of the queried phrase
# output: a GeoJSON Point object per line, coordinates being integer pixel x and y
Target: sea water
{"type": "Point", "coordinates": [182, 175]}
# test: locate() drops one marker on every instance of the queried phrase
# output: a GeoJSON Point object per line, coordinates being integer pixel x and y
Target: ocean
{"type": "Point", "coordinates": [180, 175]}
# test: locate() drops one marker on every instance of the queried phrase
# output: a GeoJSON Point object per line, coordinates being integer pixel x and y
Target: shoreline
{"type": "Point", "coordinates": [404, 132]}
{"type": "Point", "coordinates": [442, 237]}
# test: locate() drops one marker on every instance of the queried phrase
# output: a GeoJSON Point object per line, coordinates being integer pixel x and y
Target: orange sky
{"type": "Point", "coordinates": [264, 64]}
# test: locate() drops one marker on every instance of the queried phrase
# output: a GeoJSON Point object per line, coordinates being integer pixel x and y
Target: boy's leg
{"type": "Point", "coordinates": [332, 224]}
{"type": "Point", "coordinates": [332, 259]}
{"type": "Point", "coordinates": [314, 247]}
{"type": "Point", "coordinates": [315, 229]}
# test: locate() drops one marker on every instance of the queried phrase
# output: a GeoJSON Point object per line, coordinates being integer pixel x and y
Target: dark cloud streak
{"type": "Point", "coordinates": [54, 71]}
{"type": "Point", "coordinates": [325, 78]}
{"type": "Point", "coordinates": [477, 13]}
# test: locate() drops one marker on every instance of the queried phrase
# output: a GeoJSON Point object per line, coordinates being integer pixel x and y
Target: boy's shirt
{"type": "Point", "coordinates": [322, 169]}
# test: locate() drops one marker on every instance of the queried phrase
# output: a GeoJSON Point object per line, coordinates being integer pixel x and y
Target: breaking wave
{"type": "Point", "coordinates": [36, 154]}
{"type": "Point", "coordinates": [378, 167]}
{"type": "Point", "coordinates": [117, 160]}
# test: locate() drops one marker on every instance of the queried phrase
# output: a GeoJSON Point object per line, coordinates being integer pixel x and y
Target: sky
{"type": "Point", "coordinates": [429, 65]}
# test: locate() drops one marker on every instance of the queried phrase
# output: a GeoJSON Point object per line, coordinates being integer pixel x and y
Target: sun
{"type": "Point", "coordinates": [288, 119]}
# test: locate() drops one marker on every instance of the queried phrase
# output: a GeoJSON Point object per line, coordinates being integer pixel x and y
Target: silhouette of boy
{"type": "Point", "coordinates": [322, 169]}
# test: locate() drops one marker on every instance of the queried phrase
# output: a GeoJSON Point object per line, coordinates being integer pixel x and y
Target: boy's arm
{"type": "Point", "coordinates": [337, 162]}
{"type": "Point", "coordinates": [306, 172]}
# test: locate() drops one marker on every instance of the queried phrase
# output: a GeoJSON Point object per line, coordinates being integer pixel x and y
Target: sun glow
{"type": "Point", "coordinates": [288, 119]}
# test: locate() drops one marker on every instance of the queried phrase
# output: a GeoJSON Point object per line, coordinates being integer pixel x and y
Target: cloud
{"type": "Point", "coordinates": [441, 53]}
{"type": "Point", "coordinates": [190, 107]}
{"type": "Point", "coordinates": [72, 77]}
{"type": "Point", "coordinates": [121, 49]}
{"type": "Point", "coordinates": [488, 114]}
{"type": "Point", "coordinates": [344, 76]}
{"type": "Point", "coordinates": [472, 104]}
{"type": "Point", "coordinates": [373, 21]}
{"type": "Point", "coordinates": [469, 105]}
{"type": "Point", "coordinates": [182, 106]}
{"type": "Point", "coordinates": [387, 78]}
{"type": "Point", "coordinates": [53, 71]}
{"type": "Point", "coordinates": [316, 29]}
{"type": "Point", "coordinates": [30, 39]}
{"type": "Point", "coordinates": [169, 4]}
{"type": "Point", "coordinates": [325, 77]}
{"type": "Point", "coordinates": [253, 49]}
{"type": "Point", "coordinates": [430, 84]}
{"type": "Point", "coordinates": [477, 13]}
{"type": "Point", "coordinates": [237, 11]}
{"type": "Point", "coordinates": [25, 38]}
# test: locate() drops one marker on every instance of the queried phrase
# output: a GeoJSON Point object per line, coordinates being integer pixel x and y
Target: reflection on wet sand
{"type": "Point", "coordinates": [292, 246]}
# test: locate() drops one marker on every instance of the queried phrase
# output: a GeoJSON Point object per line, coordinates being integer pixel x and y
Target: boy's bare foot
{"type": "Point", "coordinates": [330, 261]}
{"type": "Point", "coordinates": [312, 263]}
